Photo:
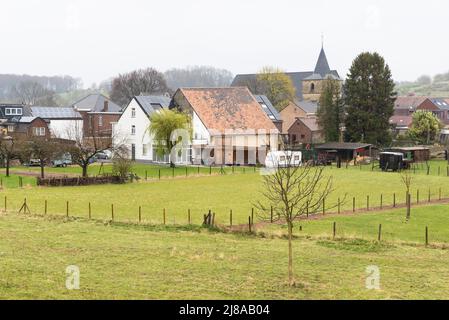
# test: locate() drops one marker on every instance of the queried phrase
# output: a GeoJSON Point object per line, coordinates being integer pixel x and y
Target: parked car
{"type": "Point", "coordinates": [104, 155]}
{"type": "Point", "coordinates": [33, 163]}
{"type": "Point", "coordinates": [64, 161]}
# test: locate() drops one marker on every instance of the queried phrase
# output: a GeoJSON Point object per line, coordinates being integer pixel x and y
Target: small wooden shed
{"type": "Point", "coordinates": [413, 154]}
{"type": "Point", "coordinates": [345, 151]}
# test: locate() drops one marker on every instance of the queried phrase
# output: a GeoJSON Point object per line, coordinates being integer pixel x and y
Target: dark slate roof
{"type": "Point", "coordinates": [55, 113]}
{"type": "Point", "coordinates": [322, 66]}
{"type": "Point", "coordinates": [151, 104]}
{"type": "Point", "coordinates": [95, 103]}
{"type": "Point", "coordinates": [26, 111]}
{"type": "Point", "coordinates": [440, 103]}
{"type": "Point", "coordinates": [321, 71]}
{"type": "Point", "coordinates": [307, 106]}
{"type": "Point", "coordinates": [342, 146]}
{"type": "Point", "coordinates": [270, 110]}
{"type": "Point", "coordinates": [296, 77]}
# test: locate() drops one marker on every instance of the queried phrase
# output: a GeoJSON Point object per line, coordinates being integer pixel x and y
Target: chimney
{"type": "Point", "coordinates": [106, 106]}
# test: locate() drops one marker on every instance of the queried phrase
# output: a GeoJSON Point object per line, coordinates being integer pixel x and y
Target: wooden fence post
{"type": "Point", "coordinates": [189, 217]}
{"type": "Point", "coordinates": [381, 201]}
{"type": "Point", "coordinates": [173, 172]}
{"type": "Point", "coordinates": [367, 203]}
{"type": "Point", "coordinates": [67, 209]}
{"type": "Point", "coordinates": [187, 172]}
{"type": "Point", "coordinates": [439, 194]}
{"type": "Point", "coordinates": [379, 234]}
{"type": "Point", "coordinates": [353, 204]}
{"type": "Point", "coordinates": [6, 204]}
{"type": "Point", "coordinates": [394, 200]}
{"type": "Point", "coordinates": [252, 215]}
{"type": "Point", "coordinates": [140, 214]}
{"type": "Point", "coordinates": [112, 212]}
{"type": "Point", "coordinates": [324, 206]}
{"type": "Point", "coordinates": [249, 224]}
{"type": "Point", "coordinates": [427, 236]}
{"type": "Point", "coordinates": [428, 198]}
{"type": "Point", "coordinates": [334, 230]}
{"type": "Point", "coordinates": [339, 205]}
{"type": "Point", "coordinates": [45, 207]}
{"type": "Point", "coordinates": [164, 215]}
{"type": "Point", "coordinates": [210, 170]}
{"type": "Point", "coordinates": [271, 214]}
{"type": "Point", "coordinates": [439, 169]}
{"type": "Point", "coordinates": [230, 218]}
{"type": "Point", "coordinates": [90, 211]}
{"type": "Point", "coordinates": [417, 196]}
{"type": "Point", "coordinates": [146, 175]}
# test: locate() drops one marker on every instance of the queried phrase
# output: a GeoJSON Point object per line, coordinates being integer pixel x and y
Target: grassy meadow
{"type": "Point", "coordinates": [138, 262]}
{"type": "Point", "coordinates": [123, 260]}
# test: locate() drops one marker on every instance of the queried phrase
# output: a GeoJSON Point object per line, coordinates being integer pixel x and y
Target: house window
{"type": "Point", "coordinates": [100, 121]}
{"type": "Point", "coordinates": [145, 149]}
{"type": "Point", "coordinates": [303, 136]}
{"type": "Point", "coordinates": [133, 112]}
{"type": "Point", "coordinates": [133, 130]}
{"type": "Point", "coordinates": [10, 128]}
{"type": "Point", "coordinates": [39, 131]}
{"type": "Point", "coordinates": [13, 111]}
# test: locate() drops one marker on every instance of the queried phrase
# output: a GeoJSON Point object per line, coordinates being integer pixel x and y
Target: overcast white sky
{"type": "Point", "coordinates": [97, 39]}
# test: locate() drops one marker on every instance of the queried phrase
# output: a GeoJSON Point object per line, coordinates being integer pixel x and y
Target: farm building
{"type": "Point", "coordinates": [414, 154]}
{"type": "Point", "coordinates": [229, 125]}
{"type": "Point", "coordinates": [344, 151]}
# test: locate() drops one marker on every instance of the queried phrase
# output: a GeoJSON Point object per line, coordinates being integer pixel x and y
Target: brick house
{"type": "Point", "coordinates": [17, 120]}
{"type": "Point", "coordinates": [439, 107]}
{"type": "Point", "coordinates": [304, 131]}
{"type": "Point", "coordinates": [98, 113]}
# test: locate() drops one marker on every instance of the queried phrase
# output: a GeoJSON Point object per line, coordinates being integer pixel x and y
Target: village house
{"type": "Point", "coordinates": [304, 131]}
{"type": "Point", "coordinates": [270, 110]}
{"type": "Point", "coordinates": [228, 125]}
{"type": "Point", "coordinates": [439, 107]}
{"type": "Point", "coordinates": [98, 113]}
{"type": "Point", "coordinates": [64, 123]}
{"type": "Point", "coordinates": [16, 120]}
{"type": "Point", "coordinates": [132, 127]}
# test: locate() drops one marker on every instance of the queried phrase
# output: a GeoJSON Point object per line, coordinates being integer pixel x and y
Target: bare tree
{"type": "Point", "coordinates": [291, 192]}
{"type": "Point", "coordinates": [10, 148]}
{"type": "Point", "coordinates": [42, 149]}
{"type": "Point", "coordinates": [406, 178]}
{"type": "Point", "coordinates": [142, 81]}
{"type": "Point", "coordinates": [198, 76]}
{"type": "Point", "coordinates": [33, 93]}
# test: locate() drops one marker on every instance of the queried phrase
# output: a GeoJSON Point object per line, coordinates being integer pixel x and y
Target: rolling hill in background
{"type": "Point", "coordinates": [426, 86]}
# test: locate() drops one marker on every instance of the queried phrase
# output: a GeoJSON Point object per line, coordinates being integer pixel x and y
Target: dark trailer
{"type": "Point", "coordinates": [343, 151]}
{"type": "Point", "coordinates": [413, 154]}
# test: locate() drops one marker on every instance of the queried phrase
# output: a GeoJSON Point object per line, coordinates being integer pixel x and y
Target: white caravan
{"type": "Point", "coordinates": [276, 159]}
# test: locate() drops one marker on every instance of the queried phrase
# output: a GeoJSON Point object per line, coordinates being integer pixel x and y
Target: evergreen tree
{"type": "Point", "coordinates": [331, 110]}
{"type": "Point", "coordinates": [369, 95]}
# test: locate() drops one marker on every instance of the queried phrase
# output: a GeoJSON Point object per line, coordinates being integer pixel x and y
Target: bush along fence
{"type": "Point", "coordinates": [210, 217]}
{"type": "Point", "coordinates": [78, 181]}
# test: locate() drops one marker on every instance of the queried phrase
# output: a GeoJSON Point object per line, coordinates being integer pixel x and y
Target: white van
{"type": "Point", "coordinates": [277, 159]}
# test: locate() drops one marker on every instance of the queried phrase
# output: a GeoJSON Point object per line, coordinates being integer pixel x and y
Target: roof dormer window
{"type": "Point", "coordinates": [13, 111]}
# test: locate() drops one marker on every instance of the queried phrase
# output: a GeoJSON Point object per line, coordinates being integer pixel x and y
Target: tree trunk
{"type": "Point", "coordinates": [85, 170]}
{"type": "Point", "coordinates": [408, 202]}
{"type": "Point", "coordinates": [290, 254]}
{"type": "Point", "coordinates": [42, 169]}
{"type": "Point", "coordinates": [7, 166]}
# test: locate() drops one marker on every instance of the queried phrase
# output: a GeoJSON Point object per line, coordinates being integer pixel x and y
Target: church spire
{"type": "Point", "coordinates": [322, 66]}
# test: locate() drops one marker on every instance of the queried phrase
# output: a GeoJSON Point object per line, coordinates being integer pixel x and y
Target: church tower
{"type": "Point", "coordinates": [312, 86]}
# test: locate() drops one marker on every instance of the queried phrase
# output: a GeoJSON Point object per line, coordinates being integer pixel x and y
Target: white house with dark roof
{"type": "Point", "coordinates": [132, 127]}
{"type": "Point", "coordinates": [64, 123]}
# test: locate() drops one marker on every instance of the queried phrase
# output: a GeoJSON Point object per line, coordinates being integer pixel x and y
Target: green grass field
{"type": "Point", "coordinates": [132, 262]}
{"type": "Point", "coordinates": [177, 261]}
{"type": "Point", "coordinates": [219, 193]}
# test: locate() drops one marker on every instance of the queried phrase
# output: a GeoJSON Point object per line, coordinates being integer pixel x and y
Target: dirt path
{"type": "Point", "coordinates": [244, 227]}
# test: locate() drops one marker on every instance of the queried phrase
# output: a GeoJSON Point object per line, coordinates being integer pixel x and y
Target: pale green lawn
{"type": "Point", "coordinates": [129, 262]}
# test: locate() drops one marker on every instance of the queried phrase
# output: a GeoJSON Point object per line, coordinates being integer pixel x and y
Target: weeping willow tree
{"type": "Point", "coordinates": [169, 128]}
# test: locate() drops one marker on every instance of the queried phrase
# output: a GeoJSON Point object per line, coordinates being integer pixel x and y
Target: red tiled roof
{"type": "Point", "coordinates": [227, 108]}
{"type": "Point", "coordinates": [408, 102]}
{"type": "Point", "coordinates": [401, 120]}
